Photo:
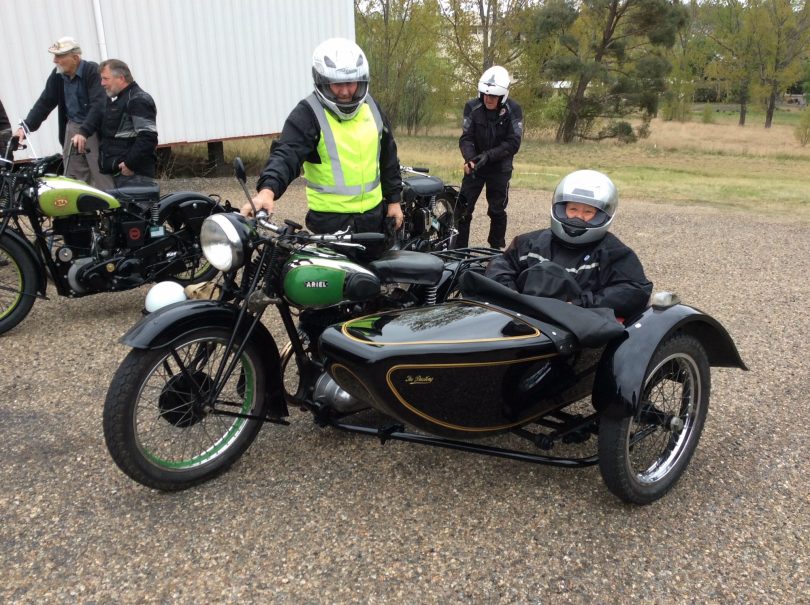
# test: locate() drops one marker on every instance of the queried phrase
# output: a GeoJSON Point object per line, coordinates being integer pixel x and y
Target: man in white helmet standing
{"type": "Point", "coordinates": [491, 133]}
{"type": "Point", "coordinates": [343, 143]}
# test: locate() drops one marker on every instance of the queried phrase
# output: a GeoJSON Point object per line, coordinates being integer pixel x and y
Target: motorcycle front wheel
{"type": "Point", "coordinates": [160, 425]}
{"type": "Point", "coordinates": [641, 457]}
{"type": "Point", "coordinates": [18, 283]}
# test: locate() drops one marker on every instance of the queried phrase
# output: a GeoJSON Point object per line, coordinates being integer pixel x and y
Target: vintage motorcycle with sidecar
{"type": "Point", "coordinates": [451, 360]}
{"type": "Point", "coordinates": [89, 241]}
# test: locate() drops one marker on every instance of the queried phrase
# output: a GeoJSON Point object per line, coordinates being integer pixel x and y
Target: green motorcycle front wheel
{"type": "Point", "coordinates": [18, 283]}
{"type": "Point", "coordinates": [170, 423]}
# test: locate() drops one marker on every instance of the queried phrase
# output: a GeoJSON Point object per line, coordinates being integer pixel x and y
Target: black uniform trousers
{"type": "Point", "coordinates": [497, 184]}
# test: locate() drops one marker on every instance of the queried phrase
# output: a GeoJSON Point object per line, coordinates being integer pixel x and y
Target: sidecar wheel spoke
{"type": "Point", "coordinates": [641, 457]}
{"type": "Point", "coordinates": [158, 422]}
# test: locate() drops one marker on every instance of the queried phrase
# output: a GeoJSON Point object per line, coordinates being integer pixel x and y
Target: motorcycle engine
{"type": "Point", "coordinates": [87, 255]}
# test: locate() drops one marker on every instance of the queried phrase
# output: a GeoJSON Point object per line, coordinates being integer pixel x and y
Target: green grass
{"type": "Point", "coordinates": [691, 163]}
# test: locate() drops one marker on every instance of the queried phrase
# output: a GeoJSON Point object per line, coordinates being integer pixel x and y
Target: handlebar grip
{"type": "Point", "coordinates": [370, 237]}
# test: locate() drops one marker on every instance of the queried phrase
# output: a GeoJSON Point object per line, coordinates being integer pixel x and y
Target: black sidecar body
{"type": "Point", "coordinates": [468, 369]}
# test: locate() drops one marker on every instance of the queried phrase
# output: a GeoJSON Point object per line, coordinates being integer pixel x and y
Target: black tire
{"type": "Point", "coordinates": [158, 435]}
{"type": "Point", "coordinates": [642, 458]}
{"type": "Point", "coordinates": [198, 269]}
{"type": "Point", "coordinates": [18, 283]}
{"type": "Point", "coordinates": [442, 236]}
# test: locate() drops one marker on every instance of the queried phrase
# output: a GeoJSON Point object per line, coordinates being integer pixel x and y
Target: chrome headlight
{"type": "Point", "coordinates": [224, 239]}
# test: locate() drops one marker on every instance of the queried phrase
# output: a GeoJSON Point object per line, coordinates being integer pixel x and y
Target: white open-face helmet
{"type": "Point", "coordinates": [163, 294]}
{"type": "Point", "coordinates": [340, 60]}
{"type": "Point", "coordinates": [586, 187]}
{"type": "Point", "coordinates": [495, 81]}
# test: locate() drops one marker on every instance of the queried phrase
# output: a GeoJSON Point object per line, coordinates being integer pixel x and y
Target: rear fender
{"type": "Point", "coordinates": [187, 207]}
{"type": "Point", "coordinates": [620, 376]}
{"type": "Point", "coordinates": [165, 326]}
{"type": "Point", "coordinates": [25, 244]}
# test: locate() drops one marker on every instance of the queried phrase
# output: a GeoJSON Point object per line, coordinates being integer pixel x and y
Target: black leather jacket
{"type": "Point", "coordinates": [299, 144]}
{"type": "Point", "coordinates": [129, 133]}
{"type": "Point", "coordinates": [606, 273]}
{"type": "Point", "coordinates": [498, 133]}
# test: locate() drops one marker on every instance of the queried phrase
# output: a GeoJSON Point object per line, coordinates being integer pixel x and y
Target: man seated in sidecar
{"type": "Point", "coordinates": [577, 260]}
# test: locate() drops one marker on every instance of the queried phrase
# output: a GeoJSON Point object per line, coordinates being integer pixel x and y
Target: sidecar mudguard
{"type": "Point", "coordinates": [189, 206]}
{"type": "Point", "coordinates": [620, 376]}
{"type": "Point", "coordinates": [42, 272]}
{"type": "Point", "coordinates": [165, 326]}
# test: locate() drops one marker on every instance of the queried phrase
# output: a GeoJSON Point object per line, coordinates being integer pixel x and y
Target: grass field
{"type": "Point", "coordinates": [719, 163]}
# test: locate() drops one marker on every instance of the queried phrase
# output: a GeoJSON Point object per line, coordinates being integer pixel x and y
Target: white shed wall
{"type": "Point", "coordinates": [217, 69]}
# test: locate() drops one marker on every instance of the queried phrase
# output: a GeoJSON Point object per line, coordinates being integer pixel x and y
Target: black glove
{"type": "Point", "coordinates": [480, 160]}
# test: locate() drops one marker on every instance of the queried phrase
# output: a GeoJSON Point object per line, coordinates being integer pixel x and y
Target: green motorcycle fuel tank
{"type": "Point", "coordinates": [63, 196]}
{"type": "Point", "coordinates": [316, 278]}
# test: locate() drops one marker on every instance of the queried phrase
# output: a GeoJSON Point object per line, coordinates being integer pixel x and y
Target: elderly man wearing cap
{"type": "Point", "coordinates": [74, 86]}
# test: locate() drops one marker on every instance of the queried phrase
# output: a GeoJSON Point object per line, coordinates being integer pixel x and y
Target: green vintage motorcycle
{"type": "Point", "coordinates": [87, 240]}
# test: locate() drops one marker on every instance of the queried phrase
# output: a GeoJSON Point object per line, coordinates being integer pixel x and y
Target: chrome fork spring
{"type": "Point", "coordinates": [155, 213]}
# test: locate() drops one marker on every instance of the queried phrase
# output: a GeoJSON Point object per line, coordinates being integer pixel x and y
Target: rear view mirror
{"type": "Point", "coordinates": [239, 170]}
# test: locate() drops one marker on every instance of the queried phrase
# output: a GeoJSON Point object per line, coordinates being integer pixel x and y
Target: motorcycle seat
{"type": "Point", "coordinates": [136, 193]}
{"type": "Point", "coordinates": [406, 267]}
{"type": "Point", "coordinates": [424, 185]}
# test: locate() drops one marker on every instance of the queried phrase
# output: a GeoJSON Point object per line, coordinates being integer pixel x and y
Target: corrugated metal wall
{"type": "Point", "coordinates": [216, 68]}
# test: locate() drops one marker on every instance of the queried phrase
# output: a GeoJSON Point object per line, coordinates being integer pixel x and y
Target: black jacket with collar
{"type": "Point", "coordinates": [499, 137]}
{"type": "Point", "coordinates": [129, 133]}
{"type": "Point", "coordinates": [54, 96]}
{"type": "Point", "coordinates": [606, 273]}
{"type": "Point", "coordinates": [299, 143]}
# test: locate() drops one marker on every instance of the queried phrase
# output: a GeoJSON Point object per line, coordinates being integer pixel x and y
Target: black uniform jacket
{"type": "Point", "coordinates": [299, 143]}
{"type": "Point", "coordinates": [603, 274]}
{"type": "Point", "coordinates": [54, 96]}
{"type": "Point", "coordinates": [129, 132]}
{"type": "Point", "coordinates": [499, 137]}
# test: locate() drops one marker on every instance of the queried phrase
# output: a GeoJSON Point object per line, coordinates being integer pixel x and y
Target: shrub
{"type": "Point", "coordinates": [802, 130]}
{"type": "Point", "coordinates": [707, 115]}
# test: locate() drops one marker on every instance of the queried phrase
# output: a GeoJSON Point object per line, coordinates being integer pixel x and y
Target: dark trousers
{"type": "Point", "coordinates": [370, 221]}
{"type": "Point", "coordinates": [497, 184]}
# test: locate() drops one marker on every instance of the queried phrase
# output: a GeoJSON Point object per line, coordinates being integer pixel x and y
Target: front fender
{"type": "Point", "coordinates": [624, 364]}
{"type": "Point", "coordinates": [25, 244]}
{"type": "Point", "coordinates": [165, 326]}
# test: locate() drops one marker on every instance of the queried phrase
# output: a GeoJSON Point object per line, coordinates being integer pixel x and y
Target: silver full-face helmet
{"type": "Point", "coordinates": [586, 187]}
{"type": "Point", "coordinates": [335, 61]}
{"type": "Point", "coordinates": [495, 81]}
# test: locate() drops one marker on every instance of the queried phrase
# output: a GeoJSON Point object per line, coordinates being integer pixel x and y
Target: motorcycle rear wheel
{"type": "Point", "coordinates": [156, 427]}
{"type": "Point", "coordinates": [198, 269]}
{"type": "Point", "coordinates": [641, 458]}
{"type": "Point", "coordinates": [18, 284]}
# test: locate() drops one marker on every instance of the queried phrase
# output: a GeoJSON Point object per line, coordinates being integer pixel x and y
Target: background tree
{"type": "Point", "coordinates": [484, 33]}
{"type": "Point", "coordinates": [410, 77]}
{"type": "Point", "coordinates": [781, 35]}
{"type": "Point", "coordinates": [610, 59]}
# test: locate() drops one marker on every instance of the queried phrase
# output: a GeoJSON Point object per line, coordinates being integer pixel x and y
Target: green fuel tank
{"type": "Point", "coordinates": [63, 196]}
{"type": "Point", "coordinates": [315, 278]}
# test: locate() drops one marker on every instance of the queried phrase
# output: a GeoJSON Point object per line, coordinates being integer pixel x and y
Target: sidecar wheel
{"type": "Point", "coordinates": [156, 426]}
{"type": "Point", "coordinates": [18, 284]}
{"type": "Point", "coordinates": [641, 457]}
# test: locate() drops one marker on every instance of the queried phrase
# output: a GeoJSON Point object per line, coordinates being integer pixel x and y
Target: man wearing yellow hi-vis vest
{"type": "Point", "coordinates": [343, 143]}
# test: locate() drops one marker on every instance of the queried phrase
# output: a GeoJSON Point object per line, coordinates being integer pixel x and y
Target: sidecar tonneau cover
{"type": "Point", "coordinates": [592, 327]}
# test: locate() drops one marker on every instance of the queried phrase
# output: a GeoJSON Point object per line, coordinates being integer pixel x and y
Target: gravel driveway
{"type": "Point", "coordinates": [317, 516]}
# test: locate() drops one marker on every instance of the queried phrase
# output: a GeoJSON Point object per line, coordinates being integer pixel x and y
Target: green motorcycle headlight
{"type": "Point", "coordinates": [224, 239]}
